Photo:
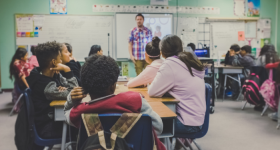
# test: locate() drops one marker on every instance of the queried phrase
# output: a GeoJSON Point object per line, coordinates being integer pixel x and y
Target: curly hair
{"type": "Point", "coordinates": [98, 74]}
{"type": "Point", "coordinates": [46, 52]}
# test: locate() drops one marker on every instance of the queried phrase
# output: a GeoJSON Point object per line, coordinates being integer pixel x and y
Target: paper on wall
{"type": "Point", "coordinates": [251, 29]}
{"type": "Point", "coordinates": [25, 24]}
{"type": "Point", "coordinates": [38, 20]}
{"type": "Point", "coordinates": [239, 7]}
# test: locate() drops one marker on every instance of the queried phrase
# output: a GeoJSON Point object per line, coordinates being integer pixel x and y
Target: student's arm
{"type": "Point", "coordinates": [24, 81]}
{"type": "Point", "coordinates": [142, 79]}
{"type": "Point", "coordinates": [156, 120]}
{"type": "Point", "coordinates": [235, 60]}
{"type": "Point", "coordinates": [163, 81]}
{"type": "Point", "coordinates": [73, 99]}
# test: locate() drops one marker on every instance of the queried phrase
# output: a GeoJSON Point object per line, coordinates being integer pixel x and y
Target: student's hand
{"type": "Point", "coordinates": [77, 94]}
{"type": "Point", "coordinates": [132, 58]}
{"type": "Point", "coordinates": [61, 89]}
{"type": "Point", "coordinates": [61, 67]}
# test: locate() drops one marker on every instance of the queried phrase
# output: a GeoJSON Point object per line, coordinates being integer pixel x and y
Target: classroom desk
{"type": "Point", "coordinates": [228, 69]}
{"type": "Point", "coordinates": [166, 112]}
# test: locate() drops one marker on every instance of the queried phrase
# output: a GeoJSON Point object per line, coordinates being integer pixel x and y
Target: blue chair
{"type": "Point", "coordinates": [19, 98]}
{"type": "Point", "coordinates": [205, 126]}
{"type": "Point", "coordinates": [140, 136]}
{"type": "Point", "coordinates": [30, 111]}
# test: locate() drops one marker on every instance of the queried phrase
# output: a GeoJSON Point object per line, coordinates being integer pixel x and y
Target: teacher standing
{"type": "Point", "coordinates": [138, 39]}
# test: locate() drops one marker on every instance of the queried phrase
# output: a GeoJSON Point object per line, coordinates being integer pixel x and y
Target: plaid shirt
{"type": "Point", "coordinates": [139, 39]}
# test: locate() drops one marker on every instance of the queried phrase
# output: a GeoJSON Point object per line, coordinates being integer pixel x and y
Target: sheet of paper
{"type": "Point", "coordinates": [241, 36]}
{"type": "Point", "coordinates": [266, 33]}
{"type": "Point", "coordinates": [38, 20]}
{"type": "Point", "coordinates": [58, 6]}
{"type": "Point", "coordinates": [25, 24]}
{"type": "Point", "coordinates": [251, 29]}
{"type": "Point", "coordinates": [239, 7]}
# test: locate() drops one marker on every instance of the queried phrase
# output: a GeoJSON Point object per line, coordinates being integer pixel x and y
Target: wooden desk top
{"type": "Point", "coordinates": [162, 110]}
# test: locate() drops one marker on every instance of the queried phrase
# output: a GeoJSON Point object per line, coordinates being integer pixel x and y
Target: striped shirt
{"type": "Point", "coordinates": [139, 38]}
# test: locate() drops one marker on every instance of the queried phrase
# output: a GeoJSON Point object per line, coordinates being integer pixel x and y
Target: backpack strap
{"type": "Point", "coordinates": [92, 123]}
{"type": "Point", "coordinates": [103, 142]}
{"type": "Point", "coordinates": [125, 123]}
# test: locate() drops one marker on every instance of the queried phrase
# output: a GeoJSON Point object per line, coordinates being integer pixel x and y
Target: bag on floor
{"type": "Point", "coordinates": [250, 90]}
{"type": "Point", "coordinates": [270, 93]}
{"type": "Point", "coordinates": [100, 140]}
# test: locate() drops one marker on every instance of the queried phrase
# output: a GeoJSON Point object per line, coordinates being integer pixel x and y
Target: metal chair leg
{"type": "Point", "coordinates": [244, 105]}
{"type": "Point", "coordinates": [12, 111]}
{"type": "Point", "coordinates": [264, 110]}
{"type": "Point", "coordinates": [196, 144]}
{"type": "Point", "coordinates": [173, 144]}
{"type": "Point", "coordinates": [239, 83]}
{"type": "Point", "coordinates": [189, 144]}
{"type": "Point", "coordinates": [183, 144]}
{"type": "Point", "coordinates": [167, 143]}
{"type": "Point", "coordinates": [225, 83]}
{"type": "Point", "coordinates": [278, 126]}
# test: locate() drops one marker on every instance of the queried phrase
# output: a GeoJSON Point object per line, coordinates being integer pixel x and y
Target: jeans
{"type": "Point", "coordinates": [180, 128]}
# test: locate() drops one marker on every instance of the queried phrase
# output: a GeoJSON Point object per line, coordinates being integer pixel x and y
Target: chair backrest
{"type": "Point", "coordinates": [140, 136]}
{"type": "Point", "coordinates": [30, 116]}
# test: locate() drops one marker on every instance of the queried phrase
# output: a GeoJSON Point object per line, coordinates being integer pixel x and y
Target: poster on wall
{"type": "Point", "coordinates": [58, 6]}
{"type": "Point", "coordinates": [253, 8]}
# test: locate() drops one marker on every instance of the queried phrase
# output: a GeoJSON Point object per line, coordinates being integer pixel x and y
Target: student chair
{"type": "Point", "coordinates": [140, 136]}
{"type": "Point", "coordinates": [30, 111]}
{"type": "Point", "coordinates": [19, 98]}
{"type": "Point", "coordinates": [205, 126]}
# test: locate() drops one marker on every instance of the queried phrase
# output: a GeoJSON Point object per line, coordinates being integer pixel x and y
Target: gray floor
{"type": "Point", "coordinates": [230, 128]}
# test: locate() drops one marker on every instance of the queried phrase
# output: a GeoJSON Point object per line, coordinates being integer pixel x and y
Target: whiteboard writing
{"type": "Point", "coordinates": [74, 24]}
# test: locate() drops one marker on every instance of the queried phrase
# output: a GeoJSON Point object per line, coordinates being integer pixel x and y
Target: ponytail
{"type": "Point", "coordinates": [190, 61]}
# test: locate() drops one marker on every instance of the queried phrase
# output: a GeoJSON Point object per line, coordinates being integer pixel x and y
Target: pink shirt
{"type": "Point", "coordinates": [174, 77]}
{"type": "Point", "coordinates": [147, 76]}
{"type": "Point", "coordinates": [33, 62]}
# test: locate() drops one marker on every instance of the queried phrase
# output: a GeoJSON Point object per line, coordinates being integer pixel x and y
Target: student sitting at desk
{"type": "Point", "coordinates": [68, 60]}
{"type": "Point", "coordinates": [244, 59]}
{"type": "Point", "coordinates": [95, 49]}
{"type": "Point", "coordinates": [182, 76]}
{"type": "Point", "coordinates": [99, 77]}
{"type": "Point", "coordinates": [19, 70]}
{"type": "Point", "coordinates": [267, 51]}
{"type": "Point", "coordinates": [233, 50]}
{"type": "Point", "coordinates": [33, 59]}
{"type": "Point", "coordinates": [152, 57]}
{"type": "Point", "coordinates": [47, 84]}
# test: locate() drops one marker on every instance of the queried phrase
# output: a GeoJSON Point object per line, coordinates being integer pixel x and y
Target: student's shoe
{"type": "Point", "coordinates": [258, 108]}
{"type": "Point", "coordinates": [273, 116]}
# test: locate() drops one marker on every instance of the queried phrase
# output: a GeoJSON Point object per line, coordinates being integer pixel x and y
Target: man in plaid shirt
{"type": "Point", "coordinates": [138, 38]}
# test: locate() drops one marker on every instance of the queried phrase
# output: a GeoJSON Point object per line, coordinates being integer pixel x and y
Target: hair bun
{"type": "Point", "coordinates": [155, 42]}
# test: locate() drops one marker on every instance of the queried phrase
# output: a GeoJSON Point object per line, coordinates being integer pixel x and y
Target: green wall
{"type": "Point", "coordinates": [8, 8]}
{"type": "Point", "coordinates": [278, 29]}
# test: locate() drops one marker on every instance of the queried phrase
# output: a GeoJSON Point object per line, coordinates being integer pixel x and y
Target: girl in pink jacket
{"type": "Point", "coordinates": [152, 57]}
{"type": "Point", "coordinates": [33, 59]}
{"type": "Point", "coordinates": [182, 76]}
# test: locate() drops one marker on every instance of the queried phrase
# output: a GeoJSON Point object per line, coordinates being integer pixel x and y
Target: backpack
{"type": "Point", "coordinates": [98, 139]}
{"type": "Point", "coordinates": [270, 92]}
{"type": "Point", "coordinates": [251, 88]}
{"type": "Point", "coordinates": [24, 138]}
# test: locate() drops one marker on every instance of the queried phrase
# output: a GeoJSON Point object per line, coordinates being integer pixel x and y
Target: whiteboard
{"type": "Point", "coordinates": [225, 34]}
{"type": "Point", "coordinates": [80, 31]}
{"type": "Point", "coordinates": [126, 22]}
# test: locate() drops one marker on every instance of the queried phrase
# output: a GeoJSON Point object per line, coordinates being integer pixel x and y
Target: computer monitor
{"type": "Point", "coordinates": [202, 53]}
